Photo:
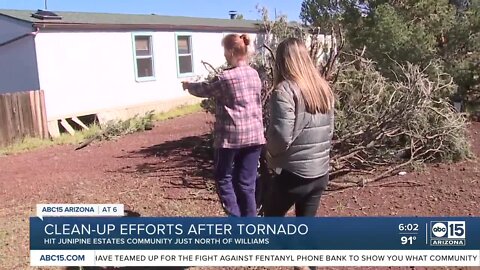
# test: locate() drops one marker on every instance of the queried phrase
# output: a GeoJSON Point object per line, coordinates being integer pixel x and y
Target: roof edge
{"type": "Point", "coordinates": [15, 18]}
{"type": "Point", "coordinates": [157, 27]}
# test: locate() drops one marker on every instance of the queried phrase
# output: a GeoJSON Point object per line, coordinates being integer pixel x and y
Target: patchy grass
{"type": "Point", "coordinates": [182, 110]}
{"type": "Point", "coordinates": [29, 143]}
{"type": "Point", "coordinates": [25, 144]}
{"type": "Point", "coordinates": [116, 128]}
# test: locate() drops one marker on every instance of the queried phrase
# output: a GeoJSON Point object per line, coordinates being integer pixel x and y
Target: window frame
{"type": "Point", "coordinates": [136, 57]}
{"type": "Point", "coordinates": [177, 54]}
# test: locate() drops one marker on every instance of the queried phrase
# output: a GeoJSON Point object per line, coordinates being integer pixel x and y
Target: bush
{"type": "Point", "coordinates": [113, 129]}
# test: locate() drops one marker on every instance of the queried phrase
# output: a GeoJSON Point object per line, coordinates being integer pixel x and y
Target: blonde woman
{"type": "Point", "coordinates": [300, 132]}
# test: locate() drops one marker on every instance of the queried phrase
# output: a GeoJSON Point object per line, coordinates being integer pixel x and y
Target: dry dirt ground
{"type": "Point", "coordinates": [167, 172]}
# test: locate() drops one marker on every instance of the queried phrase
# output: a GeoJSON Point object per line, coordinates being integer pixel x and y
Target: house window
{"type": "Point", "coordinates": [184, 55]}
{"type": "Point", "coordinates": [144, 68]}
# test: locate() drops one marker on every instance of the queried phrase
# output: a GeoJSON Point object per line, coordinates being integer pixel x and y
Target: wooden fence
{"type": "Point", "coordinates": [22, 114]}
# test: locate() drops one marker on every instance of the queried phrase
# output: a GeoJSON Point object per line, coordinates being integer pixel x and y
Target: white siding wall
{"type": "Point", "coordinates": [88, 72]}
{"type": "Point", "coordinates": [18, 66]}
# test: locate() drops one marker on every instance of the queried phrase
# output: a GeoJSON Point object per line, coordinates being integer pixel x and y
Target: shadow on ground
{"type": "Point", "coordinates": [187, 162]}
{"type": "Point", "coordinates": [178, 167]}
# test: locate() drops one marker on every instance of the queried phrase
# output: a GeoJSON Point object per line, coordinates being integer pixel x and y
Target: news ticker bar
{"type": "Point", "coordinates": [271, 258]}
{"type": "Point", "coordinates": [188, 233]}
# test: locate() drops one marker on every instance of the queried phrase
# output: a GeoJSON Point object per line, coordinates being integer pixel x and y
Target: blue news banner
{"type": "Point", "coordinates": [365, 241]}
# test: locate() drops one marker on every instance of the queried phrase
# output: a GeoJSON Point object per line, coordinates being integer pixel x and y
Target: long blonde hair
{"type": "Point", "coordinates": [293, 63]}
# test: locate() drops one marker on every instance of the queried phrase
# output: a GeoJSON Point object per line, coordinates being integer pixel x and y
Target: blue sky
{"type": "Point", "coordinates": [195, 8]}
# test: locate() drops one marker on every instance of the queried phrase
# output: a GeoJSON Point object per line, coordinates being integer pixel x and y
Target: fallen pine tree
{"type": "Point", "coordinates": [382, 125]}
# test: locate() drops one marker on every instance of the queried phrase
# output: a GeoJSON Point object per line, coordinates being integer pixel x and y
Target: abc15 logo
{"type": "Point", "coordinates": [448, 229]}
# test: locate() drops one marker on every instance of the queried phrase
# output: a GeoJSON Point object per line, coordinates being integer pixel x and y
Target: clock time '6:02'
{"type": "Point", "coordinates": [410, 227]}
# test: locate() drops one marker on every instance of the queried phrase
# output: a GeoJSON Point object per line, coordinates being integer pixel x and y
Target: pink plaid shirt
{"type": "Point", "coordinates": [238, 116]}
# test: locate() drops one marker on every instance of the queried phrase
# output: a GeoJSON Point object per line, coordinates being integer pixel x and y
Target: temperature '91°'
{"type": "Point", "coordinates": [410, 229]}
{"type": "Point", "coordinates": [408, 240]}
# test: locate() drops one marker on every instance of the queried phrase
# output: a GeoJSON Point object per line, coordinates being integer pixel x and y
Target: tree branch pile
{"type": "Point", "coordinates": [383, 126]}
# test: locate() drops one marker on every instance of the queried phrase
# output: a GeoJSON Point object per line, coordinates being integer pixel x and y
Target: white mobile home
{"type": "Point", "coordinates": [109, 65]}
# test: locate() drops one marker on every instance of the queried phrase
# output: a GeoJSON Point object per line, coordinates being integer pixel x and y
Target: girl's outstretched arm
{"type": "Point", "coordinates": [207, 89]}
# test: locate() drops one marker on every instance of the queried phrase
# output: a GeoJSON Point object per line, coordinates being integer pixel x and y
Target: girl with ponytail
{"type": "Point", "coordinates": [238, 128]}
